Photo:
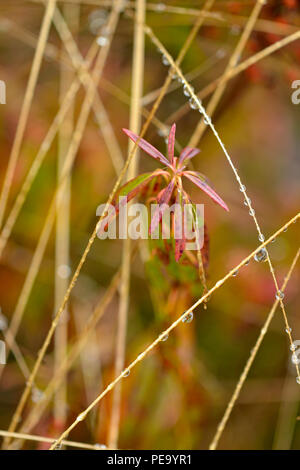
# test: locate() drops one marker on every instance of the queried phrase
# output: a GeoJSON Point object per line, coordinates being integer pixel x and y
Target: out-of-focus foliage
{"type": "Point", "coordinates": [176, 396]}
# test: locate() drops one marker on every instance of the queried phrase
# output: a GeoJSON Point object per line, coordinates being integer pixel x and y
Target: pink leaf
{"type": "Point", "coordinates": [171, 143]}
{"type": "Point", "coordinates": [187, 153]}
{"type": "Point", "coordinates": [206, 188]}
{"type": "Point", "coordinates": [127, 192]}
{"type": "Point", "coordinates": [148, 148]}
{"type": "Point", "coordinates": [179, 242]}
{"type": "Point", "coordinates": [163, 204]}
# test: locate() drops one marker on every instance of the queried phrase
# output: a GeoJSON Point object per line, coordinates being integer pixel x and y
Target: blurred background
{"type": "Point", "coordinates": [176, 397]}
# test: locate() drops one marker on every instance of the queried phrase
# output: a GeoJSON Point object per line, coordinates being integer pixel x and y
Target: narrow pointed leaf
{"type": "Point", "coordinates": [179, 223]}
{"type": "Point", "coordinates": [207, 189]}
{"type": "Point", "coordinates": [171, 143]}
{"type": "Point", "coordinates": [132, 187]}
{"type": "Point", "coordinates": [187, 153]}
{"type": "Point", "coordinates": [148, 148]}
{"type": "Point", "coordinates": [162, 205]}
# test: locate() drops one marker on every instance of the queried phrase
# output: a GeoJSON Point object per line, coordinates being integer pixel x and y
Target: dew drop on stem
{"type": "Point", "coordinates": [261, 255]}
{"type": "Point", "coordinates": [279, 295]}
{"type": "Point", "coordinates": [188, 318]}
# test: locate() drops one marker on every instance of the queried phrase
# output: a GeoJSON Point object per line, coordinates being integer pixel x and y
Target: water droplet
{"type": "Point", "coordinates": [160, 7]}
{"type": "Point", "coordinates": [242, 188]}
{"type": "Point", "coordinates": [193, 103]}
{"type": "Point", "coordinates": [285, 230]}
{"type": "Point", "coordinates": [165, 60]}
{"type": "Point", "coordinates": [102, 41]}
{"type": "Point", "coordinates": [298, 380]}
{"type": "Point", "coordinates": [100, 446]}
{"type": "Point", "coordinates": [164, 337]}
{"type": "Point", "coordinates": [96, 20]}
{"type": "Point", "coordinates": [261, 237]}
{"type": "Point", "coordinates": [288, 330]}
{"type": "Point", "coordinates": [246, 202]}
{"type": "Point", "coordinates": [187, 90]}
{"type": "Point", "coordinates": [207, 120]}
{"type": "Point", "coordinates": [247, 262]}
{"type": "Point", "coordinates": [235, 273]}
{"type": "Point", "coordinates": [293, 347]}
{"type": "Point", "coordinates": [273, 240]}
{"type": "Point", "coordinates": [64, 271]}
{"type": "Point", "coordinates": [80, 417]}
{"type": "Point", "coordinates": [279, 295]}
{"type": "Point", "coordinates": [126, 373]}
{"type": "Point", "coordinates": [252, 212]}
{"type": "Point", "coordinates": [261, 255]}
{"type": "Point", "coordinates": [295, 359]}
{"type": "Point", "coordinates": [188, 318]}
{"type": "Point", "coordinates": [36, 395]}
{"type": "Point", "coordinates": [58, 446]}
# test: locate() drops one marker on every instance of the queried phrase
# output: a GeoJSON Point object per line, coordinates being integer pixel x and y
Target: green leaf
{"type": "Point", "coordinates": [132, 187]}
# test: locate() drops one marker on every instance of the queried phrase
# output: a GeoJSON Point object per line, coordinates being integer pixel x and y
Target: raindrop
{"type": "Point", "coordinates": [207, 120]}
{"type": "Point", "coordinates": [58, 447]}
{"type": "Point", "coordinates": [279, 295]}
{"type": "Point", "coordinates": [126, 373]}
{"type": "Point", "coordinates": [288, 330]}
{"type": "Point", "coordinates": [242, 188]}
{"type": "Point", "coordinates": [295, 359]}
{"type": "Point", "coordinates": [188, 318]}
{"type": "Point", "coordinates": [293, 347]}
{"type": "Point", "coordinates": [298, 380]}
{"type": "Point", "coordinates": [102, 41]}
{"type": "Point", "coordinates": [252, 212]}
{"type": "Point", "coordinates": [235, 273]}
{"type": "Point", "coordinates": [261, 237]}
{"type": "Point", "coordinates": [247, 262]}
{"type": "Point", "coordinates": [64, 271]}
{"type": "Point", "coordinates": [80, 417]}
{"type": "Point", "coordinates": [160, 7]}
{"type": "Point", "coordinates": [246, 202]}
{"type": "Point", "coordinates": [261, 255]}
{"type": "Point", "coordinates": [36, 395]}
{"type": "Point", "coordinates": [165, 60]}
{"type": "Point", "coordinates": [193, 103]}
{"type": "Point", "coordinates": [187, 90]}
{"type": "Point", "coordinates": [97, 19]}
{"type": "Point", "coordinates": [100, 446]}
{"type": "Point", "coordinates": [173, 74]}
{"type": "Point", "coordinates": [285, 230]}
{"type": "Point", "coordinates": [164, 337]}
{"type": "Point", "coordinates": [273, 240]}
